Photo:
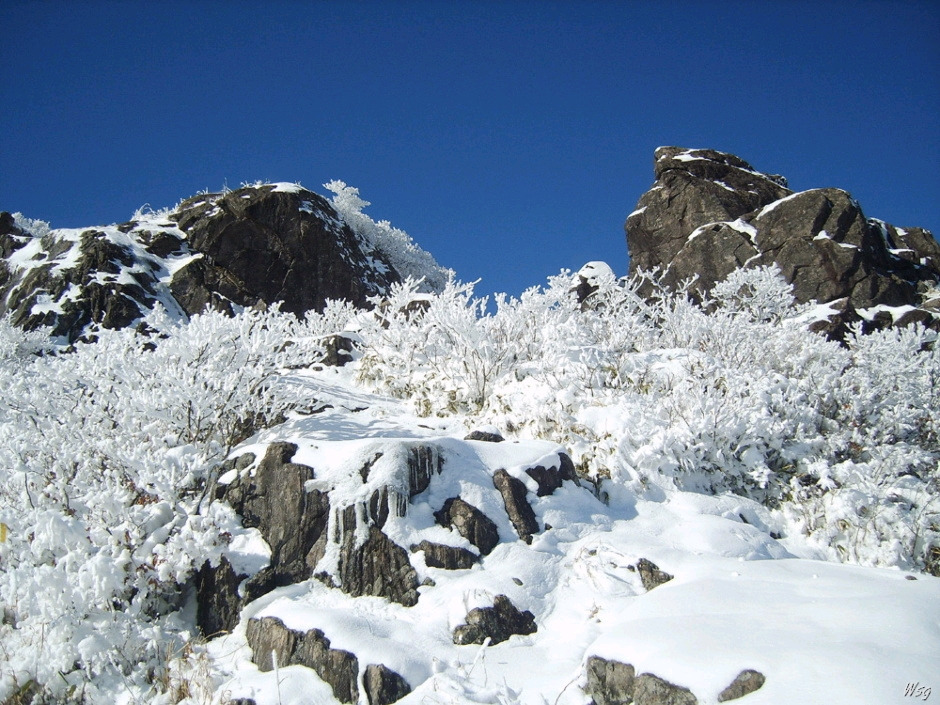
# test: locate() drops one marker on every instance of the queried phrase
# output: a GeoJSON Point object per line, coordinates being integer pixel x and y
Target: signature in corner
{"type": "Point", "coordinates": [916, 690]}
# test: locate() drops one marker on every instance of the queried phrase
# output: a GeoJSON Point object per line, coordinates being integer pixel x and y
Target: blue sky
{"type": "Point", "coordinates": [510, 139]}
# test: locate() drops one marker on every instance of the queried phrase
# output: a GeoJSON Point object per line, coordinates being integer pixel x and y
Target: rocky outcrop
{"type": "Point", "coordinates": [74, 281]}
{"type": "Point", "coordinates": [276, 646]}
{"type": "Point", "coordinates": [265, 244]}
{"type": "Point", "coordinates": [610, 682]}
{"type": "Point", "coordinates": [488, 435]}
{"type": "Point", "coordinates": [614, 683]}
{"type": "Point", "coordinates": [335, 523]}
{"type": "Point", "coordinates": [496, 623]}
{"type": "Point", "coordinates": [383, 686]}
{"type": "Point", "coordinates": [292, 520]}
{"type": "Point", "coordinates": [551, 478]}
{"type": "Point", "coordinates": [251, 247]}
{"type": "Point", "coordinates": [517, 504]}
{"type": "Point", "coordinates": [709, 213]}
{"type": "Point", "coordinates": [438, 555]}
{"type": "Point", "coordinates": [378, 567]}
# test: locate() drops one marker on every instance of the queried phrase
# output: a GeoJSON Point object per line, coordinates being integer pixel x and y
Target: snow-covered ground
{"type": "Point", "coordinates": [786, 482]}
{"type": "Point", "coordinates": [740, 599]}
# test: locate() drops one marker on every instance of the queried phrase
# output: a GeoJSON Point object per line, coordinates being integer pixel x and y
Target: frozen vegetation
{"type": "Point", "coordinates": [745, 455]}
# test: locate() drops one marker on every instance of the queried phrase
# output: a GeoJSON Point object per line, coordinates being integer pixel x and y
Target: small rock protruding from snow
{"type": "Point", "coordinates": [650, 574]}
{"type": "Point", "coordinates": [496, 623]}
{"type": "Point", "coordinates": [590, 277]}
{"type": "Point", "coordinates": [745, 683]}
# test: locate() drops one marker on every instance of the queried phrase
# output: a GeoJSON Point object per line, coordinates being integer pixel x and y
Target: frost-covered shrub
{"type": "Point", "coordinates": [656, 390]}
{"type": "Point", "coordinates": [105, 452]}
{"type": "Point", "coordinates": [395, 244]}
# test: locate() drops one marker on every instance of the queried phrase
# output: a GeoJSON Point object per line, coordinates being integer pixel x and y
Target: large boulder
{"type": "Point", "coordinates": [709, 213]}
{"type": "Point", "coordinates": [252, 247]}
{"type": "Point", "coordinates": [265, 244]}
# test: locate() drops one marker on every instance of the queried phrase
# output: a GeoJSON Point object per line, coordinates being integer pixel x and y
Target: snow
{"type": "Point", "coordinates": [771, 206]}
{"type": "Point", "coordinates": [285, 187]}
{"type": "Point", "coordinates": [783, 480]}
{"type": "Point", "coordinates": [896, 312]}
{"type": "Point", "coordinates": [739, 599]}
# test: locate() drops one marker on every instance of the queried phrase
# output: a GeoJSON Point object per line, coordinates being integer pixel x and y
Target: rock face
{"type": "Point", "coordinates": [266, 244]}
{"type": "Point", "coordinates": [270, 639]}
{"type": "Point", "coordinates": [709, 213]}
{"type": "Point", "coordinates": [292, 520]}
{"type": "Point", "coordinates": [254, 246]}
{"type": "Point", "coordinates": [378, 567]}
{"type": "Point", "coordinates": [335, 523]}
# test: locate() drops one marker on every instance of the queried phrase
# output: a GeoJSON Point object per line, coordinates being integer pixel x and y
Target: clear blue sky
{"type": "Point", "coordinates": [510, 139]}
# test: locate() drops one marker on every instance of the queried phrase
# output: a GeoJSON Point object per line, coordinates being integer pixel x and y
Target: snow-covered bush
{"type": "Point", "coordinates": [105, 453]}
{"type": "Point", "coordinates": [395, 244]}
{"type": "Point", "coordinates": [656, 390]}
{"type": "Point", "coordinates": [106, 450]}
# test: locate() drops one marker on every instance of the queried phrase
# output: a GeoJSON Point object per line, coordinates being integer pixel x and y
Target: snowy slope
{"type": "Point", "coordinates": [787, 484]}
{"type": "Point", "coordinates": [818, 631]}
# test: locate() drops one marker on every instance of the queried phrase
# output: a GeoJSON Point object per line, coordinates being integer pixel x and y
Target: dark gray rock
{"type": "Point", "coordinates": [339, 669]}
{"type": "Point", "coordinates": [650, 574]}
{"type": "Point", "coordinates": [615, 683]}
{"type": "Point", "coordinates": [292, 520]}
{"type": "Point", "coordinates": [653, 690]}
{"type": "Point", "coordinates": [438, 555]}
{"type": "Point", "coordinates": [693, 187]}
{"type": "Point", "coordinates": [610, 682]}
{"type": "Point", "coordinates": [745, 682]}
{"type": "Point", "coordinates": [218, 603]}
{"type": "Point", "coordinates": [266, 245]}
{"type": "Point", "coordinates": [550, 479]}
{"type": "Point", "coordinates": [106, 286]}
{"type": "Point", "coordinates": [378, 567]}
{"type": "Point", "coordinates": [12, 237]}
{"type": "Point", "coordinates": [271, 642]}
{"type": "Point", "coordinates": [497, 623]}
{"type": "Point", "coordinates": [254, 247]}
{"type": "Point", "coordinates": [470, 523]}
{"type": "Point", "coordinates": [338, 350]}
{"type": "Point", "coordinates": [517, 505]}
{"type": "Point", "coordinates": [383, 686]}
{"type": "Point", "coordinates": [709, 213]}
{"type": "Point", "coordinates": [424, 462]}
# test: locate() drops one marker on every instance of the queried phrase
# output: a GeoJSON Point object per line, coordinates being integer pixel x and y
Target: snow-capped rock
{"type": "Point", "coordinates": [258, 245]}
{"type": "Point", "coordinates": [709, 213]}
